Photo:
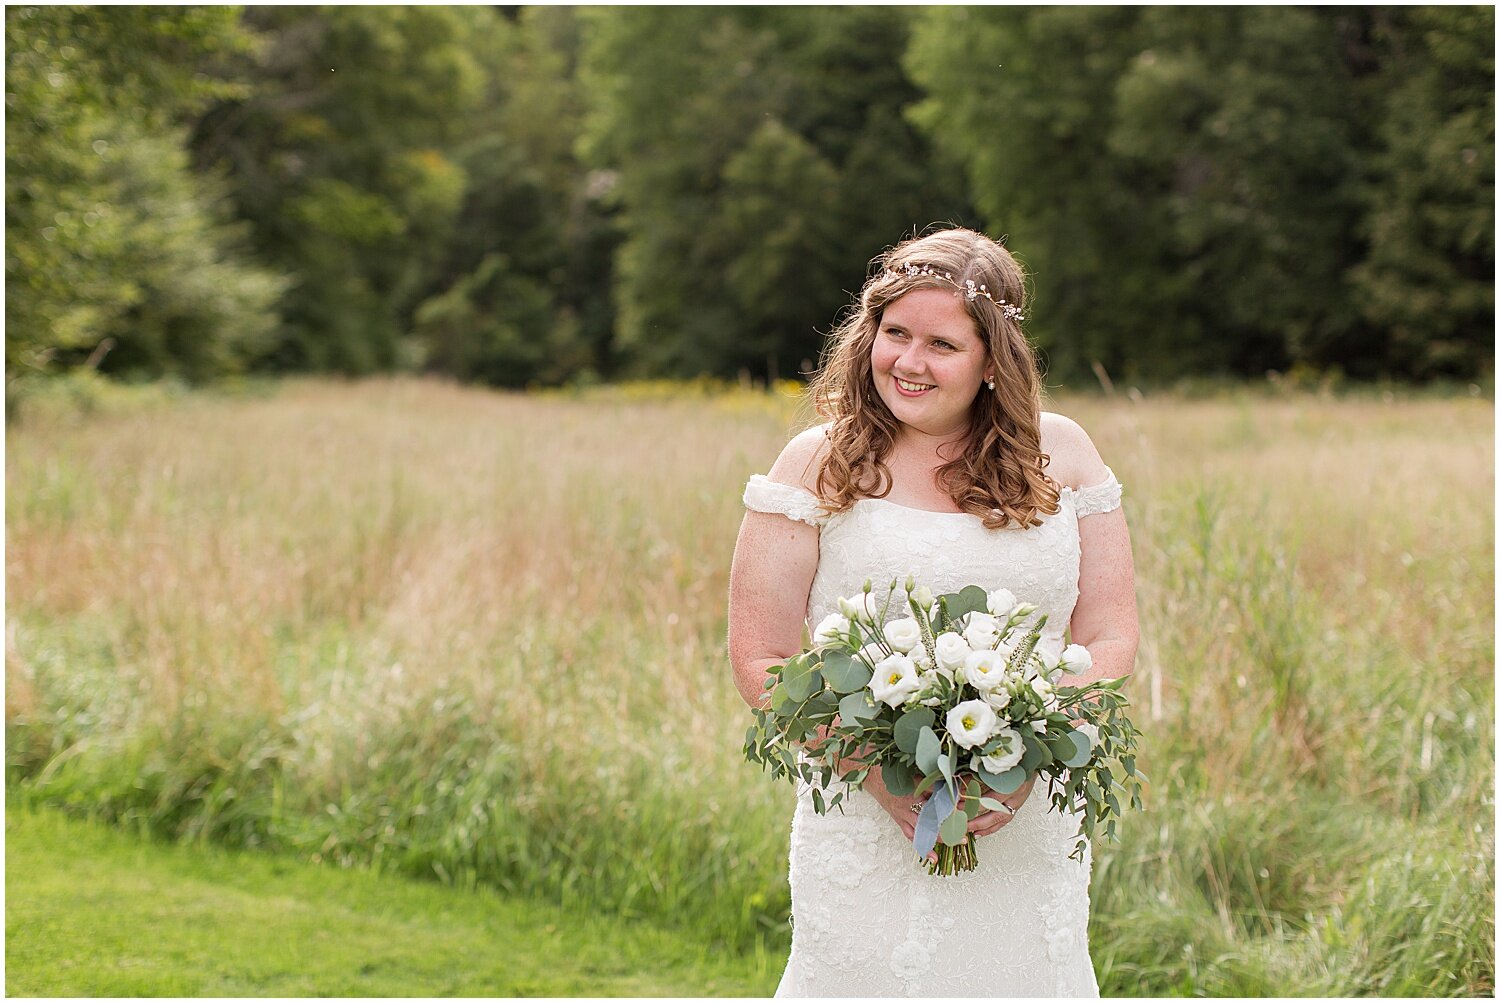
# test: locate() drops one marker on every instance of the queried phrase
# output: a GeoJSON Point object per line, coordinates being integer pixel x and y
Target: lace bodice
{"type": "Point", "coordinates": [867, 919]}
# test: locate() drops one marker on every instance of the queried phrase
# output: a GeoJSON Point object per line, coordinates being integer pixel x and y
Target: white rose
{"type": "Point", "coordinates": [894, 680]}
{"type": "Point", "coordinates": [1006, 756]}
{"type": "Point", "coordinates": [1076, 660]}
{"type": "Point", "coordinates": [985, 671]}
{"type": "Point", "coordinates": [952, 651]}
{"type": "Point", "coordinates": [1001, 602]}
{"type": "Point", "coordinates": [972, 723]}
{"type": "Point", "coordinates": [831, 629]}
{"type": "Point", "coordinates": [903, 635]}
{"type": "Point", "coordinates": [981, 631]}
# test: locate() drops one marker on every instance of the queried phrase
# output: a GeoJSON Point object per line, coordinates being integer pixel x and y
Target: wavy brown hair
{"type": "Point", "coordinates": [1000, 473]}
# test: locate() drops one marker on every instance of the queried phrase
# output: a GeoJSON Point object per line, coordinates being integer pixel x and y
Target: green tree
{"type": "Point", "coordinates": [338, 157]}
{"type": "Point", "coordinates": [117, 254]}
{"type": "Point", "coordinates": [531, 210]}
{"type": "Point", "coordinates": [1428, 282]}
{"type": "Point", "coordinates": [763, 160]}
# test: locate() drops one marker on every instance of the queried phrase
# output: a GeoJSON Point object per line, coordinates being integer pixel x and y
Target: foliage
{"type": "Point", "coordinates": [337, 159]}
{"type": "Point", "coordinates": [697, 191]}
{"type": "Point", "coordinates": [118, 255]}
{"type": "Point", "coordinates": [762, 161]}
{"type": "Point", "coordinates": [1189, 187]}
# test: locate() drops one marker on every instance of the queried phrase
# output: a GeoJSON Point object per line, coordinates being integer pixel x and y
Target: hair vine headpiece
{"type": "Point", "coordinates": [970, 290]}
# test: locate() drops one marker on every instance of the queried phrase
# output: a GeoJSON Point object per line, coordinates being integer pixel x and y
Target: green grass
{"type": "Point", "coordinates": [94, 911]}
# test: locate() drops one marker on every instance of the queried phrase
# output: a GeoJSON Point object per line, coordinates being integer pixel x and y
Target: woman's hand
{"type": "Point", "coordinates": [903, 810]}
{"type": "Point", "coordinates": [987, 822]}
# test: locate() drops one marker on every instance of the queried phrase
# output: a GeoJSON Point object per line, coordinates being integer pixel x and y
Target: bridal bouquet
{"type": "Point", "coordinates": [953, 698]}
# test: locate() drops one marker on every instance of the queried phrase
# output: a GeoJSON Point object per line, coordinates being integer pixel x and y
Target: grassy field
{"type": "Point", "coordinates": [480, 638]}
{"type": "Point", "coordinates": [119, 915]}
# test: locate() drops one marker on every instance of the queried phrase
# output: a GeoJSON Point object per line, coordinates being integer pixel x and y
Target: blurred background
{"type": "Point", "coordinates": [381, 383]}
{"type": "Point", "coordinates": [542, 196]}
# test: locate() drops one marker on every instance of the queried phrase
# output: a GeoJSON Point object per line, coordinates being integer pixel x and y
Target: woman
{"type": "Point", "coordinates": [938, 462]}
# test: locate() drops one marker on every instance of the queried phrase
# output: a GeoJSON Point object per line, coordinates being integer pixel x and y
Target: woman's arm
{"type": "Point", "coordinates": [1104, 619]}
{"type": "Point", "coordinates": [775, 559]}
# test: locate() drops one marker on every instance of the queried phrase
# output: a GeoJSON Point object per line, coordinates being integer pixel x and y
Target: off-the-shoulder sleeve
{"type": "Point", "coordinates": [765, 495]}
{"type": "Point", "coordinates": [1096, 498]}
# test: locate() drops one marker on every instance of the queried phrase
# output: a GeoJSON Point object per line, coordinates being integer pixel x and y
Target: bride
{"type": "Point", "coordinates": [936, 461]}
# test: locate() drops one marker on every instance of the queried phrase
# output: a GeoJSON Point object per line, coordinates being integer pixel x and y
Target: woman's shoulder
{"type": "Point", "coordinates": [1074, 462]}
{"type": "Point", "coordinates": [800, 458]}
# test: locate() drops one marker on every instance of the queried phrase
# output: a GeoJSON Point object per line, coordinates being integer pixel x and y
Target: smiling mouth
{"type": "Point", "coordinates": [913, 388]}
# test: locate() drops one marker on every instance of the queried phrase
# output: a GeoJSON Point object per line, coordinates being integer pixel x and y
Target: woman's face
{"type": "Point", "coordinates": [929, 361]}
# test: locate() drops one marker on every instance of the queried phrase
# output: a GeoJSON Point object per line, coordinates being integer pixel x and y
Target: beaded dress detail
{"type": "Point", "coordinates": [867, 918]}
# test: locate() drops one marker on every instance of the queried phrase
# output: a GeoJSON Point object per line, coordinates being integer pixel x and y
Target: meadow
{"type": "Point", "coordinates": [479, 637]}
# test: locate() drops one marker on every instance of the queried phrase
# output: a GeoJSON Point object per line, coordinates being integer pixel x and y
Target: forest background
{"type": "Point", "coordinates": [545, 196]}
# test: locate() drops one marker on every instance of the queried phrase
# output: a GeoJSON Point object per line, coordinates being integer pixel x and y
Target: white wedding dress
{"type": "Point", "coordinates": [867, 919]}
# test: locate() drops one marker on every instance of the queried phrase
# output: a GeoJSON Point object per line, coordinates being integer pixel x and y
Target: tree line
{"type": "Point", "coordinates": [533, 196]}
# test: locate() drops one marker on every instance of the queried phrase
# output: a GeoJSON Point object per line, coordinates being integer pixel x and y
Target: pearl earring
{"type": "Point", "coordinates": [990, 384]}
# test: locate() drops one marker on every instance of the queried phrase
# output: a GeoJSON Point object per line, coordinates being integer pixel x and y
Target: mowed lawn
{"type": "Point", "coordinates": [94, 911]}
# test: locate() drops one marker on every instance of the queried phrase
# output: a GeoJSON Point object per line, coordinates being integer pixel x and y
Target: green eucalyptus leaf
{"type": "Point", "coordinates": [898, 778]}
{"type": "Point", "coordinates": [909, 728]}
{"type": "Point", "coordinates": [945, 764]}
{"type": "Point", "coordinates": [857, 707]}
{"type": "Point", "coordinates": [802, 683]}
{"type": "Point", "coordinates": [928, 750]}
{"type": "Point", "coordinates": [845, 673]}
{"type": "Point", "coordinates": [955, 829]}
{"type": "Point", "coordinates": [1083, 750]}
{"type": "Point", "coordinates": [1037, 754]}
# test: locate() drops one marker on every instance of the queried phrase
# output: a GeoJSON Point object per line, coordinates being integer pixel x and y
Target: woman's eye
{"type": "Point", "coordinates": [943, 345]}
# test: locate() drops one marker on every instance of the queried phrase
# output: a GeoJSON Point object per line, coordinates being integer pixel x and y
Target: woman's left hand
{"type": "Point", "coordinates": [987, 822]}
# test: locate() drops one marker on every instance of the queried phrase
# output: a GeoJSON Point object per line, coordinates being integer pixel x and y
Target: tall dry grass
{"type": "Point", "coordinates": [481, 637]}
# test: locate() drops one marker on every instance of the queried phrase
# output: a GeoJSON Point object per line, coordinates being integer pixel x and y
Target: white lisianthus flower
{"type": "Point", "coordinates": [922, 596]}
{"type": "Point", "coordinates": [1040, 727]}
{"type": "Point", "coordinates": [831, 629]}
{"type": "Point", "coordinates": [871, 654]}
{"type": "Point", "coordinates": [1006, 756]}
{"type": "Point", "coordinates": [952, 651]}
{"type": "Point", "coordinates": [981, 631]}
{"type": "Point", "coordinates": [1089, 730]}
{"type": "Point", "coordinates": [1001, 602]}
{"type": "Point", "coordinates": [1024, 609]}
{"type": "Point", "coordinates": [985, 671]}
{"type": "Point", "coordinates": [919, 655]}
{"type": "Point", "coordinates": [862, 607]}
{"type": "Point", "coordinates": [895, 679]}
{"type": "Point", "coordinates": [1076, 660]}
{"type": "Point", "coordinates": [997, 698]}
{"type": "Point", "coordinates": [1044, 693]}
{"type": "Point", "coordinates": [972, 723]}
{"type": "Point", "coordinates": [903, 634]}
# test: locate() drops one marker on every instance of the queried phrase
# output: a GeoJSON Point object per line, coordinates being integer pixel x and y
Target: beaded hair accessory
{"type": "Point", "coordinates": [968, 288]}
